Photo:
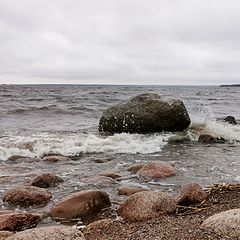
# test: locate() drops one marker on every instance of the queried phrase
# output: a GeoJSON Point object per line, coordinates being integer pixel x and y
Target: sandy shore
{"type": "Point", "coordinates": [184, 224]}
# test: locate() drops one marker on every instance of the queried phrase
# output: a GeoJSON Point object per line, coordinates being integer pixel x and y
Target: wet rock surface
{"type": "Point", "coordinates": [27, 196]}
{"type": "Point", "coordinates": [230, 120]}
{"type": "Point", "coordinates": [130, 190]}
{"type": "Point", "coordinates": [15, 221]}
{"type": "Point", "coordinates": [110, 173]}
{"type": "Point", "coordinates": [46, 180]}
{"type": "Point", "coordinates": [52, 159]}
{"type": "Point", "coordinates": [81, 204]}
{"type": "Point", "coordinates": [145, 113]}
{"type": "Point", "coordinates": [156, 170]}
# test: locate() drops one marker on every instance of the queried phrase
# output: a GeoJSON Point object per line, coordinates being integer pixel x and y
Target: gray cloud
{"type": "Point", "coordinates": [120, 42]}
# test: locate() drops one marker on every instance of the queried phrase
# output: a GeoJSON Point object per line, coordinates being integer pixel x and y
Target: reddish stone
{"type": "Point", "coordinates": [146, 205]}
{"type": "Point", "coordinates": [81, 204]}
{"type": "Point", "coordinates": [46, 180]}
{"type": "Point", "coordinates": [130, 190]}
{"type": "Point", "coordinates": [27, 196]}
{"type": "Point", "coordinates": [15, 221]}
{"type": "Point", "coordinates": [156, 170]}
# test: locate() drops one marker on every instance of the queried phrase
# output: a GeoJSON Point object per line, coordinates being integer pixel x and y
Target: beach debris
{"type": "Point", "coordinates": [27, 196]}
{"type": "Point", "coordinates": [81, 204]}
{"type": "Point", "coordinates": [145, 113]}
{"type": "Point", "coordinates": [209, 202]}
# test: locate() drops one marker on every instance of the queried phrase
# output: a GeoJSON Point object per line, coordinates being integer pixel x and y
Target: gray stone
{"type": "Point", "coordinates": [226, 223]}
{"type": "Point", "coordinates": [51, 233]}
{"type": "Point", "coordinates": [145, 113]}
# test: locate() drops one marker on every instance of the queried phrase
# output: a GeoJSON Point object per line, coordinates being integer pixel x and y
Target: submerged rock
{"type": "Point", "coordinates": [51, 233]}
{"type": "Point", "coordinates": [230, 120]}
{"type": "Point", "coordinates": [81, 204]}
{"type": "Point", "coordinates": [27, 196]}
{"type": "Point", "coordinates": [226, 223]}
{"type": "Point", "coordinates": [135, 167]}
{"type": "Point", "coordinates": [110, 173]}
{"type": "Point", "coordinates": [46, 180]}
{"type": "Point", "coordinates": [99, 181]}
{"type": "Point", "coordinates": [130, 190]}
{"type": "Point", "coordinates": [52, 159]}
{"type": "Point", "coordinates": [179, 139]}
{"type": "Point", "coordinates": [156, 170]}
{"type": "Point", "coordinates": [146, 205]}
{"type": "Point", "coordinates": [15, 221]}
{"type": "Point", "coordinates": [190, 193]}
{"type": "Point", "coordinates": [145, 113]}
{"type": "Point", "coordinates": [209, 139]}
{"type": "Point", "coordinates": [20, 158]}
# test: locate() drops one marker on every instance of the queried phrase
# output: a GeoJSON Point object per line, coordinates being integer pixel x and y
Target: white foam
{"type": "Point", "coordinates": [72, 144]}
{"type": "Point", "coordinates": [217, 129]}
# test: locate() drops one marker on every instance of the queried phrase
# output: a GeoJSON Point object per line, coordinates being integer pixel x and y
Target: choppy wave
{"type": "Point", "coordinates": [74, 144]}
{"type": "Point", "coordinates": [217, 129]}
{"type": "Point", "coordinates": [69, 143]}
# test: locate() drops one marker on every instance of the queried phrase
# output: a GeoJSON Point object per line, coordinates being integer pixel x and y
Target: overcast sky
{"type": "Point", "coordinates": [120, 41]}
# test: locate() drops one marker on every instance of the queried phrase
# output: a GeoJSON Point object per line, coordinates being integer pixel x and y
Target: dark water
{"type": "Point", "coordinates": [38, 120]}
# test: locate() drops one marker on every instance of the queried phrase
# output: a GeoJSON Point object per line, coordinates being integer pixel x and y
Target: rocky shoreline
{"type": "Point", "coordinates": [91, 214]}
{"type": "Point", "coordinates": [102, 205]}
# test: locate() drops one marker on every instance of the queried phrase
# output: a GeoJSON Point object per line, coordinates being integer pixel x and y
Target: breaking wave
{"type": "Point", "coordinates": [74, 144]}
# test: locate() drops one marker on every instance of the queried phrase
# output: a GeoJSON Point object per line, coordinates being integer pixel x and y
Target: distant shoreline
{"type": "Point", "coordinates": [230, 85]}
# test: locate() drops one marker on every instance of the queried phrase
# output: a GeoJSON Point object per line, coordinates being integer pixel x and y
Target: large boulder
{"type": "Point", "coordinates": [146, 205]}
{"type": "Point", "coordinates": [81, 204]}
{"type": "Point", "coordinates": [15, 221]}
{"type": "Point", "coordinates": [226, 223]}
{"type": "Point", "coordinates": [156, 170]}
{"type": "Point", "coordinates": [145, 113]}
{"type": "Point", "coordinates": [51, 233]}
{"type": "Point", "coordinates": [27, 196]}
